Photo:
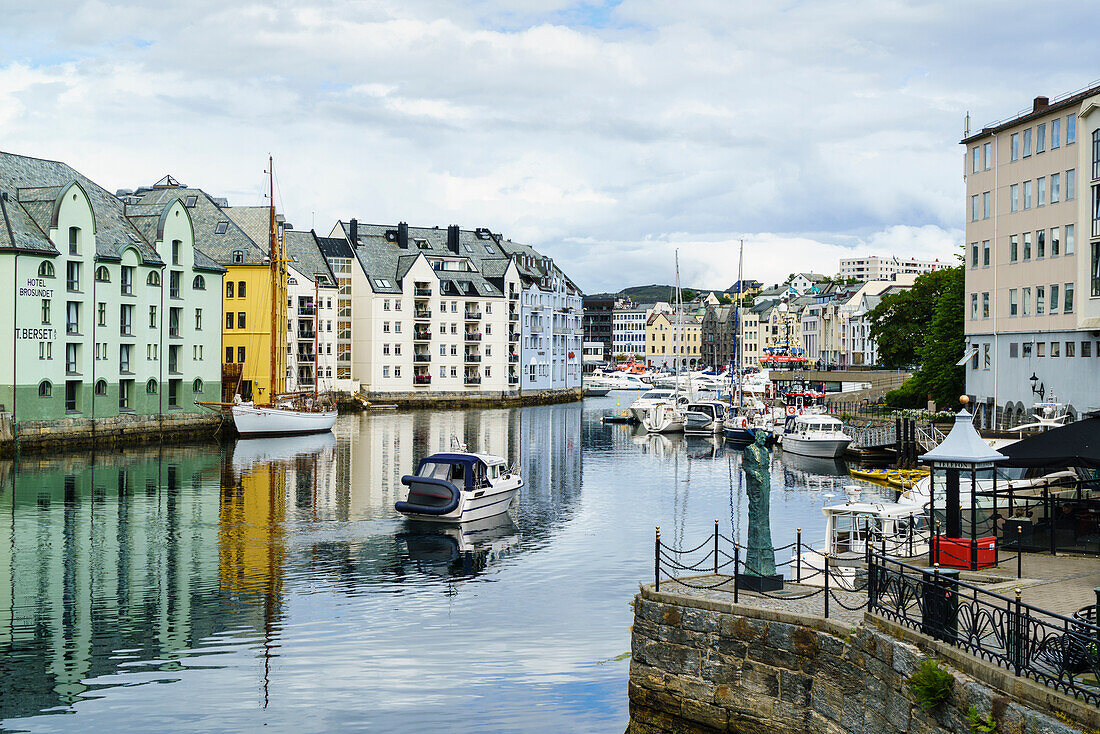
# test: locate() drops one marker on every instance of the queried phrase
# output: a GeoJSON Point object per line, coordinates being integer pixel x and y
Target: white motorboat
{"type": "Point", "coordinates": [705, 416]}
{"type": "Point", "coordinates": [641, 406]}
{"type": "Point", "coordinates": [822, 436]}
{"type": "Point", "coordinates": [253, 420]}
{"type": "Point", "coordinates": [459, 487]}
{"type": "Point", "coordinates": [596, 389]}
{"type": "Point", "coordinates": [664, 417]}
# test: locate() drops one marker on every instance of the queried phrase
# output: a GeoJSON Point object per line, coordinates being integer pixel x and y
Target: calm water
{"type": "Point", "coordinates": [270, 582]}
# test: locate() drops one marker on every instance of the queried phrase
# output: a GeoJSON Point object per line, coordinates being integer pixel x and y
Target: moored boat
{"type": "Point", "coordinates": [459, 487]}
{"type": "Point", "coordinates": [816, 435]}
{"type": "Point", "coordinates": [705, 416]}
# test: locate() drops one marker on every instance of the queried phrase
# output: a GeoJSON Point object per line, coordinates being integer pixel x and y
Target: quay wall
{"type": "Point", "coordinates": [486, 398]}
{"type": "Point", "coordinates": [71, 433]}
{"type": "Point", "coordinates": [701, 665]}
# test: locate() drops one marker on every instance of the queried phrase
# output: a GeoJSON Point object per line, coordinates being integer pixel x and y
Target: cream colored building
{"type": "Point", "coordinates": [875, 267]}
{"type": "Point", "coordinates": [668, 336]}
{"type": "Point", "coordinates": [1032, 304]}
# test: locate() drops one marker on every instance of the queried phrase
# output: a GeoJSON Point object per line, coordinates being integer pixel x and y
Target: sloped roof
{"type": "Point", "coordinates": [963, 444]}
{"type": "Point", "coordinates": [303, 254]}
{"type": "Point", "coordinates": [32, 186]}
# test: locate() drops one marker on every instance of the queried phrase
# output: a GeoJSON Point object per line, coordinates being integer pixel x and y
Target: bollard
{"type": "Point", "coordinates": [1017, 637]}
{"type": "Point", "coordinates": [716, 547]}
{"type": "Point", "coordinates": [1019, 551]}
{"type": "Point", "coordinates": [798, 557]}
{"type": "Point", "coordinates": [912, 530]}
{"type": "Point", "coordinates": [826, 567]}
{"type": "Point", "coordinates": [934, 554]}
{"type": "Point", "coordinates": [657, 560]}
{"type": "Point", "coordinates": [736, 571]}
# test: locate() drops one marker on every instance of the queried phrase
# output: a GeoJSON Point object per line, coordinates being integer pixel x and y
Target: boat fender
{"type": "Point", "coordinates": [407, 507]}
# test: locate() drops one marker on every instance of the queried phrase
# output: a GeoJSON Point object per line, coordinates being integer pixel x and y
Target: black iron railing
{"type": "Point", "coordinates": [1057, 651]}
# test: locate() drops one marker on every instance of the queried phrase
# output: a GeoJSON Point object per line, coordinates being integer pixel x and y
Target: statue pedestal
{"type": "Point", "coordinates": [752, 582]}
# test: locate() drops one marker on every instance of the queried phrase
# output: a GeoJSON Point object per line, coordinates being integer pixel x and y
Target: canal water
{"type": "Point", "coordinates": [269, 583]}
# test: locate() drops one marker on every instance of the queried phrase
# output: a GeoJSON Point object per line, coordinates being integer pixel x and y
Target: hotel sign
{"type": "Point", "coordinates": [36, 288]}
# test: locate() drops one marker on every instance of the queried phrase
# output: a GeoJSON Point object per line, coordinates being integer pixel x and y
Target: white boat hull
{"type": "Point", "coordinates": [253, 420]}
{"type": "Point", "coordinates": [476, 505]}
{"type": "Point", "coordinates": [829, 448]}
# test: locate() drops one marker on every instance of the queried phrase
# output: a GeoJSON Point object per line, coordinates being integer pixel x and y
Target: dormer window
{"type": "Point", "coordinates": [190, 202]}
{"type": "Point", "coordinates": [221, 227]}
{"type": "Point", "coordinates": [237, 256]}
{"type": "Point", "coordinates": [423, 244]}
{"type": "Point", "coordinates": [292, 281]}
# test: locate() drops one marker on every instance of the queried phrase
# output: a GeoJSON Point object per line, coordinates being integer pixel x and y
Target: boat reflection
{"type": "Point", "coordinates": [466, 549]}
{"type": "Point", "coordinates": [815, 465]}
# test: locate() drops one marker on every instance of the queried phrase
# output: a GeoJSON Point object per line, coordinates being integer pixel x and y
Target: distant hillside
{"type": "Point", "coordinates": [652, 293]}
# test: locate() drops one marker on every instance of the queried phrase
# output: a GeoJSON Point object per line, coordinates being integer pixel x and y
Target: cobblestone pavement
{"type": "Point", "coordinates": [787, 600]}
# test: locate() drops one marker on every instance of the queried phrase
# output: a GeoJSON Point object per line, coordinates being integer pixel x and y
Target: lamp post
{"type": "Point", "coordinates": [1040, 390]}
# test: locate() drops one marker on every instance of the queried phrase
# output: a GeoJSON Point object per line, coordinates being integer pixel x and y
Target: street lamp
{"type": "Point", "coordinates": [1040, 390]}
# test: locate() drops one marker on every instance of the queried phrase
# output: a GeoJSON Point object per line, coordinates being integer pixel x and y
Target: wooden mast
{"type": "Point", "coordinates": [274, 277]}
{"type": "Point", "coordinates": [316, 328]}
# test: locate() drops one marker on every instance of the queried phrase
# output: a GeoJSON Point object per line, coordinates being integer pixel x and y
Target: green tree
{"type": "Point", "coordinates": [924, 326]}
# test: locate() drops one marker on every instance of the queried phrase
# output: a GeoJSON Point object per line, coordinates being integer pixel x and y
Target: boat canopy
{"type": "Point", "coordinates": [468, 469]}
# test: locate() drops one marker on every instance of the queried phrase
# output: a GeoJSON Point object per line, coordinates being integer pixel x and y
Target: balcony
{"type": "Point", "coordinates": [422, 292]}
{"type": "Point", "coordinates": [473, 357]}
{"type": "Point", "coordinates": [422, 335]}
{"type": "Point", "coordinates": [513, 336]}
{"type": "Point", "coordinates": [422, 379]}
{"type": "Point", "coordinates": [306, 311]}
{"type": "Point", "coordinates": [472, 380]}
{"type": "Point", "coordinates": [513, 315]}
{"type": "Point", "coordinates": [513, 358]}
{"type": "Point", "coordinates": [473, 315]}
{"type": "Point", "coordinates": [422, 358]}
{"type": "Point", "coordinates": [536, 329]}
{"type": "Point", "coordinates": [513, 379]}
{"type": "Point", "coordinates": [473, 336]}
{"type": "Point", "coordinates": [422, 314]}
{"type": "Point", "coordinates": [306, 334]}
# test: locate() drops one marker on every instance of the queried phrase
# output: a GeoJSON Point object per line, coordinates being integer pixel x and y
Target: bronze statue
{"type": "Point", "coordinates": [755, 461]}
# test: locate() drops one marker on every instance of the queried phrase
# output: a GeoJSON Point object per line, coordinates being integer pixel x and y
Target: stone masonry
{"type": "Point", "coordinates": [704, 666]}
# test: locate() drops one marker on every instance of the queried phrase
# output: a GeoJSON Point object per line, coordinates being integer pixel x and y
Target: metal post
{"type": "Point", "coordinates": [1096, 612]}
{"type": "Point", "coordinates": [1017, 636]}
{"type": "Point", "coordinates": [1050, 515]}
{"type": "Point", "coordinates": [1019, 551]}
{"type": "Point", "coordinates": [912, 529]}
{"type": "Point", "coordinates": [716, 547]}
{"type": "Point", "coordinates": [935, 546]}
{"type": "Point", "coordinates": [974, 518]}
{"type": "Point", "coordinates": [736, 571]}
{"type": "Point", "coordinates": [826, 566]}
{"type": "Point", "coordinates": [798, 557]}
{"type": "Point", "coordinates": [996, 541]}
{"type": "Point", "coordinates": [657, 560]}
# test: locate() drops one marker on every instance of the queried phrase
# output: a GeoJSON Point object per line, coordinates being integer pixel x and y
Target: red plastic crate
{"type": "Point", "coordinates": [955, 552]}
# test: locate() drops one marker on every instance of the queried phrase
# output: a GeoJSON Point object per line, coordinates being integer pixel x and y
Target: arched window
{"type": "Point", "coordinates": [45, 270]}
{"type": "Point", "coordinates": [45, 389]}
{"type": "Point", "coordinates": [240, 289]}
{"type": "Point", "coordinates": [196, 386]}
{"type": "Point", "coordinates": [153, 279]}
{"type": "Point", "coordinates": [101, 388]}
{"type": "Point", "coordinates": [102, 274]}
{"type": "Point", "coordinates": [151, 387]}
{"type": "Point", "coordinates": [199, 283]}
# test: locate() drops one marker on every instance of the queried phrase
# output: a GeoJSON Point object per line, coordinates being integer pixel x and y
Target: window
{"type": "Point", "coordinates": [101, 388]}
{"type": "Point", "coordinates": [151, 387]}
{"type": "Point", "coordinates": [385, 350]}
{"type": "Point", "coordinates": [1040, 299]}
{"type": "Point", "coordinates": [176, 252]}
{"type": "Point", "coordinates": [1071, 184]}
{"type": "Point", "coordinates": [198, 319]}
{"type": "Point", "coordinates": [1095, 269]}
{"type": "Point", "coordinates": [229, 319]}
{"type": "Point", "coordinates": [985, 357]}
{"type": "Point", "coordinates": [385, 327]}
{"type": "Point", "coordinates": [1014, 198]}
{"type": "Point", "coordinates": [1056, 133]}
{"type": "Point", "coordinates": [1055, 348]}
{"type": "Point", "coordinates": [196, 386]}
{"type": "Point", "coordinates": [221, 227]}
{"type": "Point", "coordinates": [45, 270]}
{"type": "Point", "coordinates": [986, 154]}
{"type": "Point", "coordinates": [228, 289]}
{"type": "Point", "coordinates": [1041, 137]}
{"type": "Point", "coordinates": [985, 205]}
{"type": "Point", "coordinates": [238, 257]}
{"type": "Point", "coordinates": [1013, 247]}
{"type": "Point", "coordinates": [74, 240]}
{"type": "Point", "coordinates": [973, 306]}
{"type": "Point", "coordinates": [152, 317]}
{"type": "Point", "coordinates": [102, 314]}
{"type": "Point", "coordinates": [1040, 349]}
{"type": "Point", "coordinates": [385, 370]}
{"type": "Point", "coordinates": [1054, 298]}
{"type": "Point", "coordinates": [45, 310]}
{"type": "Point", "coordinates": [45, 389]}
{"type": "Point", "coordinates": [1026, 350]}
{"type": "Point", "coordinates": [1041, 191]}
{"type": "Point", "coordinates": [1014, 147]}
{"type": "Point", "coordinates": [229, 355]}
{"type": "Point", "coordinates": [102, 274]}
{"type": "Point", "coordinates": [124, 357]}
{"type": "Point", "coordinates": [396, 327]}
{"type": "Point", "coordinates": [1071, 349]}
{"type": "Point", "coordinates": [442, 372]}
{"type": "Point", "coordinates": [1025, 303]}
{"type": "Point", "coordinates": [72, 276]}
{"type": "Point", "coordinates": [1027, 142]}
{"type": "Point", "coordinates": [1027, 245]}
{"type": "Point", "coordinates": [386, 305]}
{"type": "Point", "coordinates": [240, 289]}
{"type": "Point", "coordinates": [240, 319]}
{"type": "Point", "coordinates": [1067, 289]}
{"type": "Point", "coordinates": [174, 284]}
{"type": "Point", "coordinates": [1086, 349]}
{"type": "Point", "coordinates": [127, 280]}
{"type": "Point", "coordinates": [1013, 305]}
{"type": "Point", "coordinates": [974, 208]}
{"type": "Point", "coordinates": [1070, 229]}
{"type": "Point", "coordinates": [973, 254]}
{"type": "Point", "coordinates": [985, 253]}
{"type": "Point", "coordinates": [1027, 195]}
{"type": "Point", "coordinates": [199, 283]}
{"type": "Point", "coordinates": [240, 354]}
{"type": "Point", "coordinates": [153, 278]}
{"type": "Point", "coordinates": [1055, 188]}
{"type": "Point", "coordinates": [125, 387]}
{"type": "Point", "coordinates": [1055, 242]}
{"type": "Point", "coordinates": [976, 155]}
{"type": "Point", "coordinates": [174, 321]}
{"type": "Point", "coordinates": [1071, 129]}
{"type": "Point", "coordinates": [126, 317]}
{"type": "Point", "coordinates": [985, 305]}
{"type": "Point", "coordinates": [1013, 350]}
{"type": "Point", "coordinates": [1040, 243]}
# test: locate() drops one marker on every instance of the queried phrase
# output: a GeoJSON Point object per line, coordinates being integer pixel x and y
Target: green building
{"type": "Point", "coordinates": [111, 309]}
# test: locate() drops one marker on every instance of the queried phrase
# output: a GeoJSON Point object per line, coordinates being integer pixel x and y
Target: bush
{"type": "Point", "coordinates": [931, 684]}
{"type": "Point", "coordinates": [909, 395]}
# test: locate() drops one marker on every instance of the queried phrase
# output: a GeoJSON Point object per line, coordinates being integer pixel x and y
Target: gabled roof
{"type": "Point", "coordinates": [303, 254]}
{"type": "Point", "coordinates": [32, 186]}
{"type": "Point", "coordinates": [963, 444]}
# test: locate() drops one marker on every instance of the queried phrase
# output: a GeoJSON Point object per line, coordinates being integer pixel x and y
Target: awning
{"type": "Point", "coordinates": [1074, 444]}
{"type": "Point", "coordinates": [967, 357]}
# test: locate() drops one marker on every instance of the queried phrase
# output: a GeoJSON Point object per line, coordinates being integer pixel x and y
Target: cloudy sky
{"type": "Point", "coordinates": [608, 134]}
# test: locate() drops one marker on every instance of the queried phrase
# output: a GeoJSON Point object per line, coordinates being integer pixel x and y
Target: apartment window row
{"type": "Point", "coordinates": [980, 206]}
{"type": "Point", "coordinates": [1034, 193]}
{"type": "Point", "coordinates": [1020, 300]}
{"type": "Point", "coordinates": [1026, 350]}
{"type": "Point", "coordinates": [1044, 241]}
{"type": "Point", "coordinates": [982, 157]}
{"type": "Point", "coordinates": [1022, 144]}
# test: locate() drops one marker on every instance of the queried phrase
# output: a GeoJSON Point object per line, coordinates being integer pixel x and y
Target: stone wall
{"type": "Point", "coordinates": [705, 666]}
{"type": "Point", "coordinates": [69, 433]}
{"type": "Point", "coordinates": [480, 398]}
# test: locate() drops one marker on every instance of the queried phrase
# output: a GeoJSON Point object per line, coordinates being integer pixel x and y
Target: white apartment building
{"type": "Point", "coordinates": [311, 314]}
{"type": "Point", "coordinates": [628, 331]}
{"type": "Point", "coordinates": [878, 267]}
{"type": "Point", "coordinates": [592, 355]}
{"type": "Point", "coordinates": [1033, 259]}
{"type": "Point", "coordinates": [749, 338]}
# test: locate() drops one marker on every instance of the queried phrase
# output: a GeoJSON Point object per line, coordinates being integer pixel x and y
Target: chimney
{"type": "Point", "coordinates": [1040, 104]}
{"type": "Point", "coordinates": [452, 238]}
{"type": "Point", "coordinates": [354, 230]}
{"type": "Point", "coordinates": [403, 235]}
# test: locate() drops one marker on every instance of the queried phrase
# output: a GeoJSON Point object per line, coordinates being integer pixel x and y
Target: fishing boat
{"type": "Point", "coordinates": [705, 416]}
{"type": "Point", "coordinates": [816, 435]}
{"type": "Point", "coordinates": [459, 486]}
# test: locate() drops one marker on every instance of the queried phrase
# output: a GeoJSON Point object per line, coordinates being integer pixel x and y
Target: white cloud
{"type": "Point", "coordinates": [606, 136]}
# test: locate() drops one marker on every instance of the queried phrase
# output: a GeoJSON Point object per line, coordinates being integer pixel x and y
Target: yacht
{"type": "Point", "coordinates": [641, 406]}
{"type": "Point", "coordinates": [705, 416]}
{"type": "Point", "coordinates": [741, 427]}
{"type": "Point", "coordinates": [459, 487]}
{"type": "Point", "coordinates": [664, 417]}
{"type": "Point", "coordinates": [817, 435]}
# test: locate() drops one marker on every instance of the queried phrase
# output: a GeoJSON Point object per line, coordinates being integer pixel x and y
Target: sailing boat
{"type": "Point", "coordinates": [665, 416]}
{"type": "Point", "coordinates": [287, 413]}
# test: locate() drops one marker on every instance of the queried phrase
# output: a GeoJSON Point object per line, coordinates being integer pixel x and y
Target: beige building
{"type": "Point", "coordinates": [668, 336]}
{"type": "Point", "coordinates": [1032, 301]}
{"type": "Point", "coordinates": [875, 267]}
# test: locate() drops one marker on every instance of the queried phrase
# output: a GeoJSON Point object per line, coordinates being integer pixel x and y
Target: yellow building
{"type": "Point", "coordinates": [663, 342]}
